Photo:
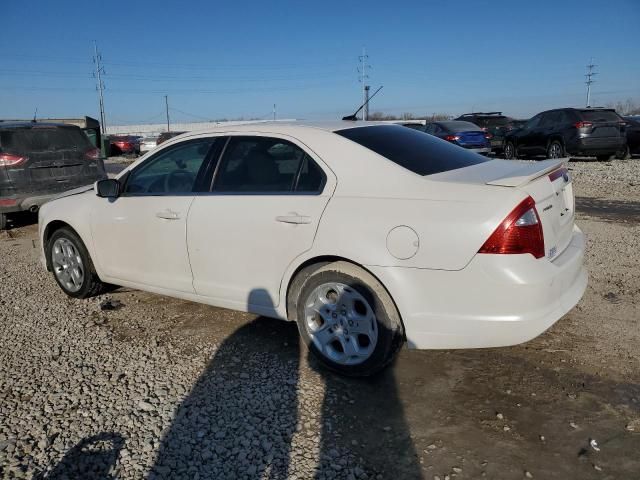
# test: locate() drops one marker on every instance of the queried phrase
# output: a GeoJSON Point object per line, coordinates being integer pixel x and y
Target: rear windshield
{"type": "Point", "coordinates": [600, 116]}
{"type": "Point", "coordinates": [496, 121]}
{"type": "Point", "coordinates": [416, 151]}
{"type": "Point", "coordinates": [460, 126]}
{"type": "Point", "coordinates": [24, 140]}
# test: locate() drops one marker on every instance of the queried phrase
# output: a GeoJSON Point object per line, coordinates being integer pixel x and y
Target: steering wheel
{"type": "Point", "coordinates": [179, 181]}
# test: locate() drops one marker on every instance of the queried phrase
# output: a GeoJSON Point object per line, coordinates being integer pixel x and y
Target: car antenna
{"type": "Point", "coordinates": [35, 114]}
{"type": "Point", "coordinates": [353, 118]}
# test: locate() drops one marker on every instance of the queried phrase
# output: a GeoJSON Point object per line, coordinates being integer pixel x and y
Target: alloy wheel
{"type": "Point", "coordinates": [341, 323]}
{"type": "Point", "coordinates": [555, 150]}
{"type": "Point", "coordinates": [67, 264]}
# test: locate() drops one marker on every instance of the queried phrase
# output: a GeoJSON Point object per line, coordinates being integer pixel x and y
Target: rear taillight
{"type": "Point", "coordinates": [8, 202]}
{"type": "Point", "coordinates": [488, 136]}
{"type": "Point", "coordinates": [520, 232]}
{"type": "Point", "coordinates": [561, 172]}
{"type": "Point", "coordinates": [582, 124]}
{"type": "Point", "coordinates": [92, 154]}
{"type": "Point", "coordinates": [452, 138]}
{"type": "Point", "coordinates": [10, 160]}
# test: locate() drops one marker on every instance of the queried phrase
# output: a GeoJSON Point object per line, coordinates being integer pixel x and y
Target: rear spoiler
{"type": "Point", "coordinates": [527, 172]}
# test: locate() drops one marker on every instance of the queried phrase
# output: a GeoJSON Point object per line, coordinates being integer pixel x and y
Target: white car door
{"type": "Point", "coordinates": [140, 236]}
{"type": "Point", "coordinates": [267, 199]}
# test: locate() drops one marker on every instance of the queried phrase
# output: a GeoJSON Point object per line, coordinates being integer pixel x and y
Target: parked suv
{"type": "Point", "coordinates": [494, 123]}
{"type": "Point", "coordinates": [592, 132]}
{"type": "Point", "coordinates": [633, 137]}
{"type": "Point", "coordinates": [40, 160]}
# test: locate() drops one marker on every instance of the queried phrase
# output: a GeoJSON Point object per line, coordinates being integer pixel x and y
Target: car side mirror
{"type": "Point", "coordinates": [108, 188]}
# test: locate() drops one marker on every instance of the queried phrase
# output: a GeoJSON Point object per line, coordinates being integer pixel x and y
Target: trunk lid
{"type": "Point", "coordinates": [547, 182]}
{"type": "Point", "coordinates": [601, 123]}
{"type": "Point", "coordinates": [472, 138]}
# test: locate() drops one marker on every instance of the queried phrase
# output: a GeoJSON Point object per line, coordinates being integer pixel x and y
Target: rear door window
{"type": "Point", "coordinates": [418, 153]}
{"type": "Point", "coordinates": [254, 165]}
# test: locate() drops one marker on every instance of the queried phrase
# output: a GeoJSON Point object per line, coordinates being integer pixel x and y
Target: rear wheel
{"type": "Point", "coordinates": [3, 221]}
{"type": "Point", "coordinates": [555, 149]}
{"type": "Point", "coordinates": [510, 151]}
{"type": "Point", "coordinates": [346, 318]}
{"type": "Point", "coordinates": [71, 264]}
{"type": "Point", "coordinates": [624, 154]}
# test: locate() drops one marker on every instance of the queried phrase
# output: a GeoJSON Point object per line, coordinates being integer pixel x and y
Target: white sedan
{"type": "Point", "coordinates": [367, 235]}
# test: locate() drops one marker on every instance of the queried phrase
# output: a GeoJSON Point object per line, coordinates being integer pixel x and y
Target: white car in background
{"type": "Point", "coordinates": [368, 235]}
{"type": "Point", "coordinates": [148, 143]}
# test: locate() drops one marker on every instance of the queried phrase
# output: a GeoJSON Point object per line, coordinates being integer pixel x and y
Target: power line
{"type": "Point", "coordinates": [100, 86]}
{"type": "Point", "coordinates": [589, 81]}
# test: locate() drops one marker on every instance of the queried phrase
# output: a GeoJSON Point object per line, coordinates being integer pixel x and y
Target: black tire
{"type": "Point", "coordinates": [509, 151]}
{"type": "Point", "coordinates": [3, 221]}
{"type": "Point", "coordinates": [624, 154]}
{"type": "Point", "coordinates": [603, 158]}
{"type": "Point", "coordinates": [91, 284]}
{"type": "Point", "coordinates": [390, 332]}
{"type": "Point", "coordinates": [555, 149]}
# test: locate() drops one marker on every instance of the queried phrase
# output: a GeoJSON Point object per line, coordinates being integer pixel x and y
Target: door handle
{"type": "Point", "coordinates": [168, 215]}
{"type": "Point", "coordinates": [293, 218]}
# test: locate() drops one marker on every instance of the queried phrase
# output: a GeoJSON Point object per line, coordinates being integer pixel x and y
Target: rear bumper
{"type": "Point", "coordinates": [22, 204]}
{"type": "Point", "coordinates": [596, 146]}
{"type": "Point", "coordinates": [495, 301]}
{"type": "Point", "coordinates": [484, 150]}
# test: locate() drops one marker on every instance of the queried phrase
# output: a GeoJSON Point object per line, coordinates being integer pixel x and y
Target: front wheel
{"type": "Point", "coordinates": [510, 151]}
{"type": "Point", "coordinates": [347, 319]}
{"type": "Point", "coordinates": [71, 264]}
{"type": "Point", "coordinates": [555, 149]}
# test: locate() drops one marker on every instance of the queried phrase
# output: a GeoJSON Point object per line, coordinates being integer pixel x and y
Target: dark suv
{"type": "Point", "coordinates": [494, 123]}
{"type": "Point", "coordinates": [592, 132]}
{"type": "Point", "coordinates": [40, 160]}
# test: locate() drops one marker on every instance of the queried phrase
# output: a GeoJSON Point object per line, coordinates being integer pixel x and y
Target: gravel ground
{"type": "Point", "coordinates": [153, 387]}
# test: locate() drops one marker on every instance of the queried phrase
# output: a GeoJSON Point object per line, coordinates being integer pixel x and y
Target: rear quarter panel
{"type": "Point", "coordinates": [451, 225]}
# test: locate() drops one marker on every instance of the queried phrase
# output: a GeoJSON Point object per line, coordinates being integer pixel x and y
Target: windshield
{"type": "Point", "coordinates": [600, 116]}
{"type": "Point", "coordinates": [416, 151]}
{"type": "Point", "coordinates": [461, 126]}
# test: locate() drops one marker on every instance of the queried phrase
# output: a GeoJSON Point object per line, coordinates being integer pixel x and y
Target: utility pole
{"type": "Point", "coordinates": [97, 59]}
{"type": "Point", "coordinates": [366, 102]}
{"type": "Point", "coordinates": [274, 112]}
{"type": "Point", "coordinates": [166, 106]}
{"type": "Point", "coordinates": [588, 76]}
{"type": "Point", "coordinates": [362, 69]}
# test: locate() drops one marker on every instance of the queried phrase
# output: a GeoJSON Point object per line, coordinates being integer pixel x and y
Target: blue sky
{"type": "Point", "coordinates": [236, 59]}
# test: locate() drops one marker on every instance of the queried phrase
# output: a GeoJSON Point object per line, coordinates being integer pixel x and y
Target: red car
{"type": "Point", "coordinates": [125, 145]}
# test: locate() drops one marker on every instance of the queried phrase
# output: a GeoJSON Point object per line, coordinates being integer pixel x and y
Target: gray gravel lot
{"type": "Point", "coordinates": [162, 388]}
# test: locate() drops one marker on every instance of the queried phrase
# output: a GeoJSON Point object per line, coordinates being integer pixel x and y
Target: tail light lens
{"type": "Point", "coordinates": [452, 138]}
{"type": "Point", "coordinates": [488, 136]}
{"type": "Point", "coordinates": [556, 174]}
{"type": "Point", "coordinates": [582, 124]}
{"type": "Point", "coordinates": [520, 232]}
{"type": "Point", "coordinates": [92, 154]}
{"type": "Point", "coordinates": [10, 160]}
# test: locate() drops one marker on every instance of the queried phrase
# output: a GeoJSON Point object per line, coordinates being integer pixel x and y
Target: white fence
{"type": "Point", "coordinates": [152, 129]}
